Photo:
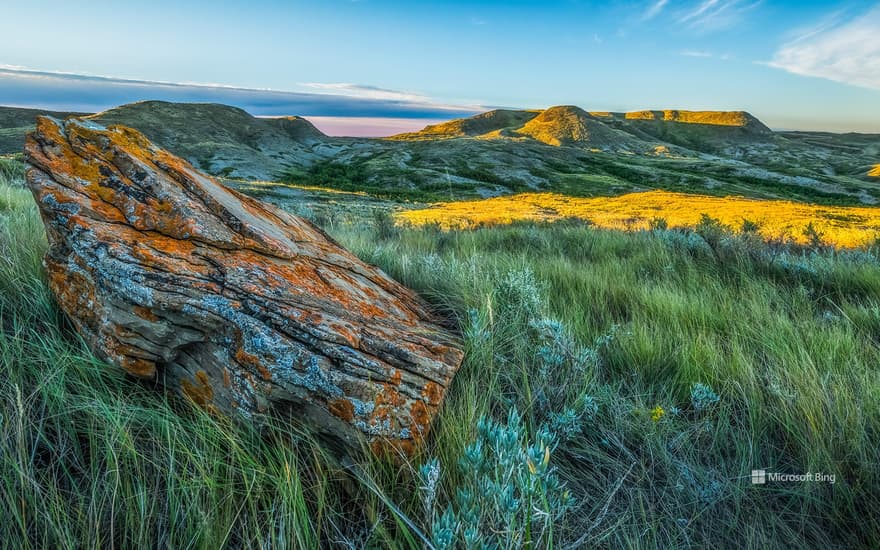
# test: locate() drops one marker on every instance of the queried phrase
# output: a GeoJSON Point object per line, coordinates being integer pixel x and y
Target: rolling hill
{"type": "Point", "coordinates": [221, 139]}
{"type": "Point", "coordinates": [569, 125]}
{"type": "Point", "coordinates": [477, 125]}
{"type": "Point", "coordinates": [638, 131]}
{"type": "Point", "coordinates": [561, 149]}
{"type": "Point", "coordinates": [216, 138]}
{"type": "Point", "coordinates": [15, 122]}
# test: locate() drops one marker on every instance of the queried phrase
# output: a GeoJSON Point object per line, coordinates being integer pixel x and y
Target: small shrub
{"type": "Point", "coordinates": [518, 295]}
{"type": "Point", "coordinates": [509, 497]}
{"type": "Point", "coordinates": [711, 229]}
{"type": "Point", "coordinates": [815, 238]}
{"type": "Point", "coordinates": [702, 397]}
{"type": "Point", "coordinates": [658, 224]}
{"type": "Point", "coordinates": [383, 224]}
{"type": "Point", "coordinates": [748, 226]}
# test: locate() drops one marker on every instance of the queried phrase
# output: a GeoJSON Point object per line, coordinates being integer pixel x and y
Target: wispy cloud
{"type": "Point", "coordinates": [365, 91]}
{"type": "Point", "coordinates": [706, 54]}
{"type": "Point", "coordinates": [701, 9]}
{"type": "Point", "coordinates": [710, 15]}
{"type": "Point", "coordinates": [695, 53]}
{"type": "Point", "coordinates": [654, 9]}
{"type": "Point", "coordinates": [847, 52]}
{"type": "Point", "coordinates": [59, 91]}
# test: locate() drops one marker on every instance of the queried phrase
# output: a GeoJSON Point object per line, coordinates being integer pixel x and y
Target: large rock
{"type": "Point", "coordinates": [243, 307]}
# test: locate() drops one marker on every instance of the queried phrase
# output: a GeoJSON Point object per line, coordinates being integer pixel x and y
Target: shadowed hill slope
{"type": "Point", "coordinates": [219, 138]}
{"type": "Point", "coordinates": [477, 125]}
{"type": "Point", "coordinates": [15, 122]}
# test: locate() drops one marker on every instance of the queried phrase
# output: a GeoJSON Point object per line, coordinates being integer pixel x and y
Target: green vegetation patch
{"type": "Point", "coordinates": [618, 390]}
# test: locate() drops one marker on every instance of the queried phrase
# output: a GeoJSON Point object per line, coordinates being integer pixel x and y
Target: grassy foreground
{"type": "Point", "coordinates": [652, 371]}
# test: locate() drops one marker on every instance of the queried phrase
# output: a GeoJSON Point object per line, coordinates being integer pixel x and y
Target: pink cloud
{"type": "Point", "coordinates": [368, 126]}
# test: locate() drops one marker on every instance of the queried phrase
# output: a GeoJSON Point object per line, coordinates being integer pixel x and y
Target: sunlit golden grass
{"type": "Point", "coordinates": [256, 185]}
{"type": "Point", "coordinates": [718, 118]}
{"type": "Point", "coordinates": [838, 225]}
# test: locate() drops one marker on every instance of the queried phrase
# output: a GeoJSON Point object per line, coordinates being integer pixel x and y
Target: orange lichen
{"type": "Point", "coordinates": [142, 368]}
{"type": "Point", "coordinates": [394, 449]}
{"type": "Point", "coordinates": [432, 393]}
{"type": "Point", "coordinates": [253, 362]}
{"type": "Point", "coordinates": [341, 408]}
{"type": "Point", "coordinates": [396, 378]}
{"type": "Point", "coordinates": [200, 390]}
{"type": "Point", "coordinates": [390, 396]}
{"type": "Point", "coordinates": [145, 313]}
{"type": "Point", "coordinates": [420, 417]}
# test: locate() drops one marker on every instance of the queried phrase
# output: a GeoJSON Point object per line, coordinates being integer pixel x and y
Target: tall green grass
{"type": "Point", "coordinates": [787, 339]}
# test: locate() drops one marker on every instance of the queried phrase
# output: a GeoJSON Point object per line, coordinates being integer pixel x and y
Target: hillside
{"type": "Point", "coordinates": [477, 125]}
{"type": "Point", "coordinates": [15, 122]}
{"type": "Point", "coordinates": [569, 125]}
{"type": "Point", "coordinates": [639, 131]}
{"type": "Point", "coordinates": [500, 152]}
{"type": "Point", "coordinates": [221, 139]}
{"type": "Point", "coordinates": [704, 131]}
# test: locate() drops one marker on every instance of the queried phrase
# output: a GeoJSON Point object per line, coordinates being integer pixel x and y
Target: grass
{"type": "Point", "coordinates": [838, 225]}
{"type": "Point", "coordinates": [556, 319]}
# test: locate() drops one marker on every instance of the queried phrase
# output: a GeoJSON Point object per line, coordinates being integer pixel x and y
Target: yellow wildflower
{"type": "Point", "coordinates": [657, 413]}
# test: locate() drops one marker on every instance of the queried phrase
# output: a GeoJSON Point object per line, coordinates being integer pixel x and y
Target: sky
{"type": "Point", "coordinates": [376, 67]}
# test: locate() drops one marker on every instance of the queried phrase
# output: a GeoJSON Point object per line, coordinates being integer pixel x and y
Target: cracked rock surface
{"type": "Point", "coordinates": [240, 306]}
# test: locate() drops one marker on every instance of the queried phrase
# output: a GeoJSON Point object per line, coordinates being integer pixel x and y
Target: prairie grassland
{"type": "Point", "coordinates": [842, 226]}
{"type": "Point", "coordinates": [650, 373]}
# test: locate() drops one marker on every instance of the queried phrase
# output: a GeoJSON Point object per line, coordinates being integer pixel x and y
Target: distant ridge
{"type": "Point", "coordinates": [570, 125]}
{"type": "Point", "coordinates": [477, 125]}
{"type": "Point", "coordinates": [219, 138]}
{"type": "Point", "coordinates": [169, 121]}
{"type": "Point", "coordinates": [637, 131]}
{"type": "Point", "coordinates": [15, 122]}
{"type": "Point", "coordinates": [216, 138]}
{"type": "Point", "coordinates": [712, 118]}
{"type": "Point", "coordinates": [503, 151]}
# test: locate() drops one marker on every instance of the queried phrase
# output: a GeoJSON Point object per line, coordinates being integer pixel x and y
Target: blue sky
{"type": "Point", "coordinates": [803, 65]}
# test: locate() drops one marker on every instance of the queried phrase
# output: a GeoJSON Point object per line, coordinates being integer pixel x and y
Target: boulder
{"type": "Point", "coordinates": [240, 306]}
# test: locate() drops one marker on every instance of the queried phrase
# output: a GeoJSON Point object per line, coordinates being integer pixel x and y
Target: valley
{"type": "Point", "coordinates": [562, 149]}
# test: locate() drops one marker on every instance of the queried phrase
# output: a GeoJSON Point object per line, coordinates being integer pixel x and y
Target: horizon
{"type": "Point", "coordinates": [380, 127]}
{"type": "Point", "coordinates": [795, 66]}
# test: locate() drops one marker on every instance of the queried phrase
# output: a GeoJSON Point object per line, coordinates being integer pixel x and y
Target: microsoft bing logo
{"type": "Point", "coordinates": [761, 477]}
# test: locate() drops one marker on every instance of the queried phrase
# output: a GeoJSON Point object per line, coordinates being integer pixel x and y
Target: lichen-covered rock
{"type": "Point", "coordinates": [243, 307]}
